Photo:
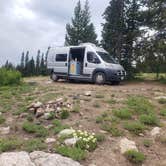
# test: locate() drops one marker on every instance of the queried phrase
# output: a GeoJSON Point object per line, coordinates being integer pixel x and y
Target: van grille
{"type": "Point", "coordinates": [121, 73]}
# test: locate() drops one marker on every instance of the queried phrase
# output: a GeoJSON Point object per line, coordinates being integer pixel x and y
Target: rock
{"type": "Point", "coordinates": [51, 102]}
{"type": "Point", "coordinates": [59, 100]}
{"type": "Point", "coordinates": [37, 105]}
{"type": "Point", "coordinates": [23, 115]}
{"type": "Point", "coordinates": [50, 140]}
{"type": "Point", "coordinates": [15, 159]}
{"type": "Point", "coordinates": [0, 113]}
{"type": "Point", "coordinates": [126, 145]}
{"type": "Point", "coordinates": [66, 132]}
{"type": "Point", "coordinates": [47, 115]}
{"type": "Point", "coordinates": [49, 110]}
{"type": "Point", "coordinates": [4, 130]}
{"type": "Point", "coordinates": [49, 126]}
{"type": "Point", "coordinates": [48, 159]}
{"type": "Point", "coordinates": [32, 110]}
{"type": "Point", "coordinates": [160, 97]}
{"type": "Point", "coordinates": [39, 112]}
{"type": "Point", "coordinates": [155, 131]}
{"type": "Point", "coordinates": [88, 93]}
{"type": "Point", "coordinates": [71, 141]}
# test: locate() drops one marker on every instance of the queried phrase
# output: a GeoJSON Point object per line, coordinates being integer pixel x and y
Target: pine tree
{"type": "Point", "coordinates": [81, 29]}
{"type": "Point", "coordinates": [38, 63]}
{"type": "Point", "coordinates": [26, 68]}
{"type": "Point", "coordinates": [42, 65]}
{"type": "Point", "coordinates": [114, 28]}
{"type": "Point", "coordinates": [31, 70]}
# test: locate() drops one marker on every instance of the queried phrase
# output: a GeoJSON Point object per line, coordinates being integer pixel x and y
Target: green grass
{"type": "Point", "coordinates": [122, 113]}
{"type": "Point", "coordinates": [64, 114]}
{"type": "Point", "coordinates": [72, 152]}
{"type": "Point", "coordinates": [163, 112]}
{"type": "Point", "coordinates": [100, 137]}
{"type": "Point", "coordinates": [99, 96]}
{"type": "Point", "coordinates": [140, 105]}
{"type": "Point", "coordinates": [162, 101]}
{"type": "Point", "coordinates": [111, 101]}
{"type": "Point", "coordinates": [150, 119]}
{"type": "Point", "coordinates": [147, 142]}
{"type": "Point", "coordinates": [58, 126]}
{"type": "Point", "coordinates": [2, 119]}
{"type": "Point", "coordinates": [38, 130]}
{"type": "Point", "coordinates": [113, 129]}
{"type": "Point", "coordinates": [135, 157]}
{"type": "Point", "coordinates": [134, 127]}
{"type": "Point", "coordinates": [34, 144]}
{"type": "Point", "coordinates": [8, 144]}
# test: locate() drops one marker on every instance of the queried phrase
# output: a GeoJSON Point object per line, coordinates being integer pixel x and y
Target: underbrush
{"type": "Point", "coordinates": [9, 77]}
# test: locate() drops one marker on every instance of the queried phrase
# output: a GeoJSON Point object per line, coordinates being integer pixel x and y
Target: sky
{"type": "Point", "coordinates": [37, 24]}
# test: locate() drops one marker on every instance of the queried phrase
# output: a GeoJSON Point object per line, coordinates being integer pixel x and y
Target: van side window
{"type": "Point", "coordinates": [92, 58]}
{"type": "Point", "coordinates": [61, 57]}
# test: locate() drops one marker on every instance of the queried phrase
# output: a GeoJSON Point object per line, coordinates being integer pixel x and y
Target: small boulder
{"type": "Point", "coordinates": [50, 140]}
{"type": "Point", "coordinates": [37, 105]}
{"type": "Point", "coordinates": [39, 112]}
{"type": "Point", "coordinates": [126, 144]}
{"type": "Point", "coordinates": [4, 130]}
{"type": "Point", "coordinates": [48, 110]}
{"type": "Point", "coordinates": [71, 141]}
{"type": "Point", "coordinates": [59, 100]}
{"type": "Point", "coordinates": [155, 131]}
{"type": "Point", "coordinates": [66, 132]}
{"type": "Point", "coordinates": [32, 110]}
{"type": "Point", "coordinates": [88, 93]}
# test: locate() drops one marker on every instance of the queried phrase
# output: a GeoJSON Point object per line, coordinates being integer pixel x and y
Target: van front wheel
{"type": "Point", "coordinates": [54, 77]}
{"type": "Point", "coordinates": [99, 78]}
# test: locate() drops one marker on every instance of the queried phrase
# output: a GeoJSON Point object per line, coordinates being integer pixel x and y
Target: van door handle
{"type": "Point", "coordinates": [86, 64]}
{"type": "Point", "coordinates": [65, 64]}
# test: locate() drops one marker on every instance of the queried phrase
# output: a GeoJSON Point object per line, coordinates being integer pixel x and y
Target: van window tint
{"type": "Point", "coordinates": [61, 57]}
{"type": "Point", "coordinates": [92, 57]}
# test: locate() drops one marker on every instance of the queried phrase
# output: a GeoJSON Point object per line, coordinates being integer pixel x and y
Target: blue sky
{"type": "Point", "coordinates": [37, 24]}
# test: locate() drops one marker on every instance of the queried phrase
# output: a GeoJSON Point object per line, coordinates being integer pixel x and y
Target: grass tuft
{"type": "Point", "coordinates": [135, 157]}
{"type": "Point", "coordinates": [123, 113]}
{"type": "Point", "coordinates": [150, 119]}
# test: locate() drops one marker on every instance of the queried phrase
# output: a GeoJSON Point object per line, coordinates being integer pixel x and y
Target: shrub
{"type": "Point", "coordinates": [150, 119]}
{"type": "Point", "coordinates": [134, 156]}
{"type": "Point", "coordinates": [140, 105]}
{"type": "Point", "coordinates": [73, 152]}
{"type": "Point", "coordinates": [64, 114]}
{"type": "Point", "coordinates": [163, 112]}
{"type": "Point", "coordinates": [38, 130]}
{"type": "Point", "coordinates": [9, 77]}
{"type": "Point", "coordinates": [122, 113]}
{"type": "Point", "coordinates": [86, 141]}
{"type": "Point", "coordinates": [100, 137]}
{"type": "Point", "coordinates": [34, 144]}
{"type": "Point", "coordinates": [134, 127]}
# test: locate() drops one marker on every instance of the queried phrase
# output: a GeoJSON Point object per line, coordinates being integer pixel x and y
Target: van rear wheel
{"type": "Point", "coordinates": [54, 77]}
{"type": "Point", "coordinates": [99, 78]}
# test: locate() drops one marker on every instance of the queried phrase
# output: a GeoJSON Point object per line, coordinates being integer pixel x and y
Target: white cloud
{"type": "Point", "coordinates": [37, 24]}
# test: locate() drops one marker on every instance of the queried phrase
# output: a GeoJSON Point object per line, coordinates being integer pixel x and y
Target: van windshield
{"type": "Point", "coordinates": [107, 57]}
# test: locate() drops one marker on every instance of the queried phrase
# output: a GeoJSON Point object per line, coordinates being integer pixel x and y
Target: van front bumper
{"type": "Point", "coordinates": [115, 75]}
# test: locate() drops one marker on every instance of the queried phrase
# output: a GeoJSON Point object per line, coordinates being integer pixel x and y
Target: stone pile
{"type": "Point", "coordinates": [51, 108]}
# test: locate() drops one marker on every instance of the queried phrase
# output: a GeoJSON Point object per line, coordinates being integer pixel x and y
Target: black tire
{"type": "Point", "coordinates": [115, 82]}
{"type": "Point", "coordinates": [99, 78]}
{"type": "Point", "coordinates": [54, 77]}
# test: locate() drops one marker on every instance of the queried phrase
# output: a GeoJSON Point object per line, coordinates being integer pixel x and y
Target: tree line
{"type": "Point", "coordinates": [29, 66]}
{"type": "Point", "coordinates": [134, 32]}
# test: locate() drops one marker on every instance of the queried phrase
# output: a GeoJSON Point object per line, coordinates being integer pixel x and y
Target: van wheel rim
{"type": "Point", "coordinates": [99, 78]}
{"type": "Point", "coordinates": [54, 77]}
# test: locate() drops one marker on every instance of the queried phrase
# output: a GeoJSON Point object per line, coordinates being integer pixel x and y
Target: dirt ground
{"type": "Point", "coordinates": [107, 152]}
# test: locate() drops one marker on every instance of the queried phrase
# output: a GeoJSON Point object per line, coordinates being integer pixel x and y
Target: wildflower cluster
{"type": "Point", "coordinates": [86, 141]}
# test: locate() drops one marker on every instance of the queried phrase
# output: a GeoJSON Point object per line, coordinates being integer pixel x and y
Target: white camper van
{"type": "Point", "coordinates": [85, 62]}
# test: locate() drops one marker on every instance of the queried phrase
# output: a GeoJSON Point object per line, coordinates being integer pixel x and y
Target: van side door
{"type": "Point", "coordinates": [61, 61]}
{"type": "Point", "coordinates": [91, 62]}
